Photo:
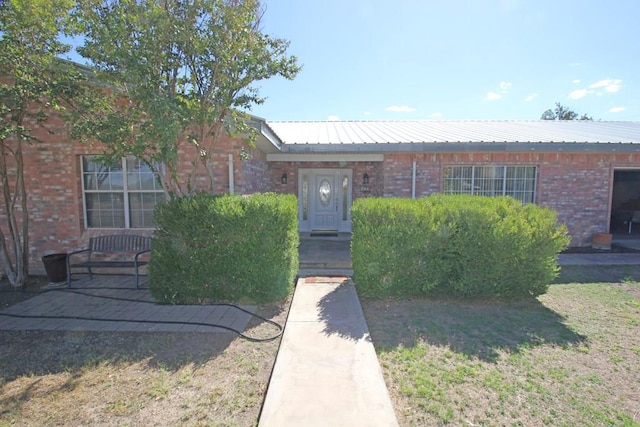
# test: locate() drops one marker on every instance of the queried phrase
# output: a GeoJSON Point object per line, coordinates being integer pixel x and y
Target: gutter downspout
{"type": "Point", "coordinates": [231, 183]}
{"type": "Point", "coordinates": [413, 181]}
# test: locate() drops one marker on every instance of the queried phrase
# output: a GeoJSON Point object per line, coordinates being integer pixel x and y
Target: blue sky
{"type": "Point", "coordinates": [454, 59]}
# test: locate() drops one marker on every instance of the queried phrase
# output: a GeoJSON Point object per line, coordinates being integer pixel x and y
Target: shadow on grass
{"type": "Point", "coordinates": [598, 273]}
{"type": "Point", "coordinates": [50, 352]}
{"type": "Point", "coordinates": [36, 352]}
{"type": "Point", "coordinates": [479, 330]}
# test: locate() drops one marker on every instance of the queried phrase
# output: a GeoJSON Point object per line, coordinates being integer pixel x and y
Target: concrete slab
{"type": "Point", "coordinates": [322, 253]}
{"type": "Point", "coordinates": [116, 309]}
{"type": "Point", "coordinates": [599, 259]}
{"type": "Point", "coordinates": [326, 372]}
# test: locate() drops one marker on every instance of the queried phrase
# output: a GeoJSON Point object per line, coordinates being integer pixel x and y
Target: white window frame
{"type": "Point", "coordinates": [474, 175]}
{"type": "Point", "coordinates": [124, 191]}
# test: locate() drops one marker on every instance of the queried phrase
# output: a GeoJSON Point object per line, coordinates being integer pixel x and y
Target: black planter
{"type": "Point", "coordinates": [56, 267]}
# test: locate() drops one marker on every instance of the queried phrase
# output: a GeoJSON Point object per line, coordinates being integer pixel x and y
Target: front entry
{"type": "Point", "coordinates": [324, 215]}
{"type": "Point", "coordinates": [325, 199]}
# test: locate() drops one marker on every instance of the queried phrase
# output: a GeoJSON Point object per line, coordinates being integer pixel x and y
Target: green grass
{"type": "Point", "coordinates": [570, 357]}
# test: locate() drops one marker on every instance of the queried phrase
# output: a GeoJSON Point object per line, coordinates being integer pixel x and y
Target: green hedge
{"type": "Point", "coordinates": [224, 248]}
{"type": "Point", "coordinates": [463, 246]}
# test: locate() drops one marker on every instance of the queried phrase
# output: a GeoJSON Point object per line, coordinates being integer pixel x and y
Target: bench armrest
{"type": "Point", "coordinates": [135, 258]}
{"type": "Point", "coordinates": [77, 252]}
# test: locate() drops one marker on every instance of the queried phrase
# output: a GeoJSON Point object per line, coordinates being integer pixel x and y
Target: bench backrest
{"type": "Point", "coordinates": [120, 243]}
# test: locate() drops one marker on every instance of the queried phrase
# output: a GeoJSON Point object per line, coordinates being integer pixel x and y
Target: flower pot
{"type": "Point", "coordinates": [56, 267]}
{"type": "Point", "coordinates": [602, 241]}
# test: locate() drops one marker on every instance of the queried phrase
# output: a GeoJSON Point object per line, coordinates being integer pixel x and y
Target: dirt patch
{"type": "Point", "coordinates": [633, 289]}
{"type": "Point", "coordinates": [10, 295]}
{"type": "Point", "coordinates": [76, 378]}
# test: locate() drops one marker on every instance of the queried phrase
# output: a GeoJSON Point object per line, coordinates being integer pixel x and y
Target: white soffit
{"type": "Point", "coordinates": [312, 157]}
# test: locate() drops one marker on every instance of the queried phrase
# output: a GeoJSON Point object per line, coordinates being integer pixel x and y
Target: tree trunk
{"type": "Point", "coordinates": [14, 258]}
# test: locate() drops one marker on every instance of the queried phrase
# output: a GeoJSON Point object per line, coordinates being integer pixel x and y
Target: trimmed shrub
{"type": "Point", "coordinates": [389, 258]}
{"type": "Point", "coordinates": [225, 248]}
{"type": "Point", "coordinates": [463, 246]}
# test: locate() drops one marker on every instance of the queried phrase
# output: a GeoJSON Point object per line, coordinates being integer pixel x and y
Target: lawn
{"type": "Point", "coordinates": [570, 357]}
{"type": "Point", "coordinates": [75, 378]}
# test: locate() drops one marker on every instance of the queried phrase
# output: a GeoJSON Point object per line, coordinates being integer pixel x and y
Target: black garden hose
{"type": "Point", "coordinates": [279, 327]}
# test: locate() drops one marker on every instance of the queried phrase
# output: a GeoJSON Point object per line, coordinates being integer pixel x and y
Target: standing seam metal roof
{"type": "Point", "coordinates": [403, 132]}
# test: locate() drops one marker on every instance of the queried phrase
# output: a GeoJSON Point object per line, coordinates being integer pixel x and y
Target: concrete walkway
{"type": "Point", "coordinates": [326, 372]}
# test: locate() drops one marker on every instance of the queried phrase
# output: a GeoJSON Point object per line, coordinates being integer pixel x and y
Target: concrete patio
{"type": "Point", "coordinates": [112, 303]}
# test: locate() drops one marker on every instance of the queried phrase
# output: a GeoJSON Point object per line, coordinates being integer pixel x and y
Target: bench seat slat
{"type": "Point", "coordinates": [98, 264]}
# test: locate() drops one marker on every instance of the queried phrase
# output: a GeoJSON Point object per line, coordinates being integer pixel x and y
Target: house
{"type": "Point", "coordinates": [588, 171]}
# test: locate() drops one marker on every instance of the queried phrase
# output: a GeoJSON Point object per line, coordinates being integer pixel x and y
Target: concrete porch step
{"type": "Point", "coordinates": [325, 253]}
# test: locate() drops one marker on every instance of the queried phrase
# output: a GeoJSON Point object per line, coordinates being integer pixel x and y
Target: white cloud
{"type": "Point", "coordinates": [617, 109]}
{"type": "Point", "coordinates": [435, 115]}
{"type": "Point", "coordinates": [578, 93]}
{"type": "Point", "coordinates": [609, 85]}
{"type": "Point", "coordinates": [531, 97]}
{"type": "Point", "coordinates": [400, 108]}
{"type": "Point", "coordinates": [575, 81]}
{"type": "Point", "coordinates": [504, 87]}
{"type": "Point", "coordinates": [367, 113]}
{"type": "Point", "coordinates": [333, 118]}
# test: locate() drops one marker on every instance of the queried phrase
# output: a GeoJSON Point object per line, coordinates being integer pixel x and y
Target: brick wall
{"type": "Point", "coordinates": [372, 169]}
{"type": "Point", "coordinates": [577, 185]}
{"type": "Point", "coordinates": [54, 187]}
{"type": "Point", "coordinates": [256, 177]}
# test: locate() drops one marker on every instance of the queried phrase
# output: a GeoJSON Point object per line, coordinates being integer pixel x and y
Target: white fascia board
{"type": "Point", "coordinates": [312, 157]}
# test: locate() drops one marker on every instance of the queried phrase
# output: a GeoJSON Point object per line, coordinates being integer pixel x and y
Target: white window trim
{"type": "Point", "coordinates": [125, 192]}
{"type": "Point", "coordinates": [504, 177]}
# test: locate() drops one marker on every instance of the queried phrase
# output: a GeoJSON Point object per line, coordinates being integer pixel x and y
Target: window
{"type": "Point", "coordinates": [121, 195]}
{"type": "Point", "coordinates": [518, 182]}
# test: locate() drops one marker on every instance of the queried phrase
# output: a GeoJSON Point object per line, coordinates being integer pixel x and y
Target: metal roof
{"type": "Point", "coordinates": [328, 135]}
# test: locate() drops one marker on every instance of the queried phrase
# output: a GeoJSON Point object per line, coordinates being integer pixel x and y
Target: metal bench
{"type": "Point", "coordinates": [108, 246]}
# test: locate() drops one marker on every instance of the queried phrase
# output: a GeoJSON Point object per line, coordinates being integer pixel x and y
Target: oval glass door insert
{"type": "Point", "coordinates": [324, 192]}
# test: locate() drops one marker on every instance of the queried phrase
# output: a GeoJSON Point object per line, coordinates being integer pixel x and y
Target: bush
{"type": "Point", "coordinates": [388, 257]}
{"type": "Point", "coordinates": [225, 248]}
{"type": "Point", "coordinates": [463, 246]}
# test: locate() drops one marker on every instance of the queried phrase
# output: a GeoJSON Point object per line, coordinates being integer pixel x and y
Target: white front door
{"type": "Point", "coordinates": [324, 212]}
{"type": "Point", "coordinates": [325, 198]}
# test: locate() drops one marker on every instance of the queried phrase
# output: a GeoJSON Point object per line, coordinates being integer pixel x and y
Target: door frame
{"type": "Point", "coordinates": [306, 179]}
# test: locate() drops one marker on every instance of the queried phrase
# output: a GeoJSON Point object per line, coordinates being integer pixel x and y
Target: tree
{"type": "Point", "coordinates": [562, 113]}
{"type": "Point", "coordinates": [178, 72]}
{"type": "Point", "coordinates": [34, 83]}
